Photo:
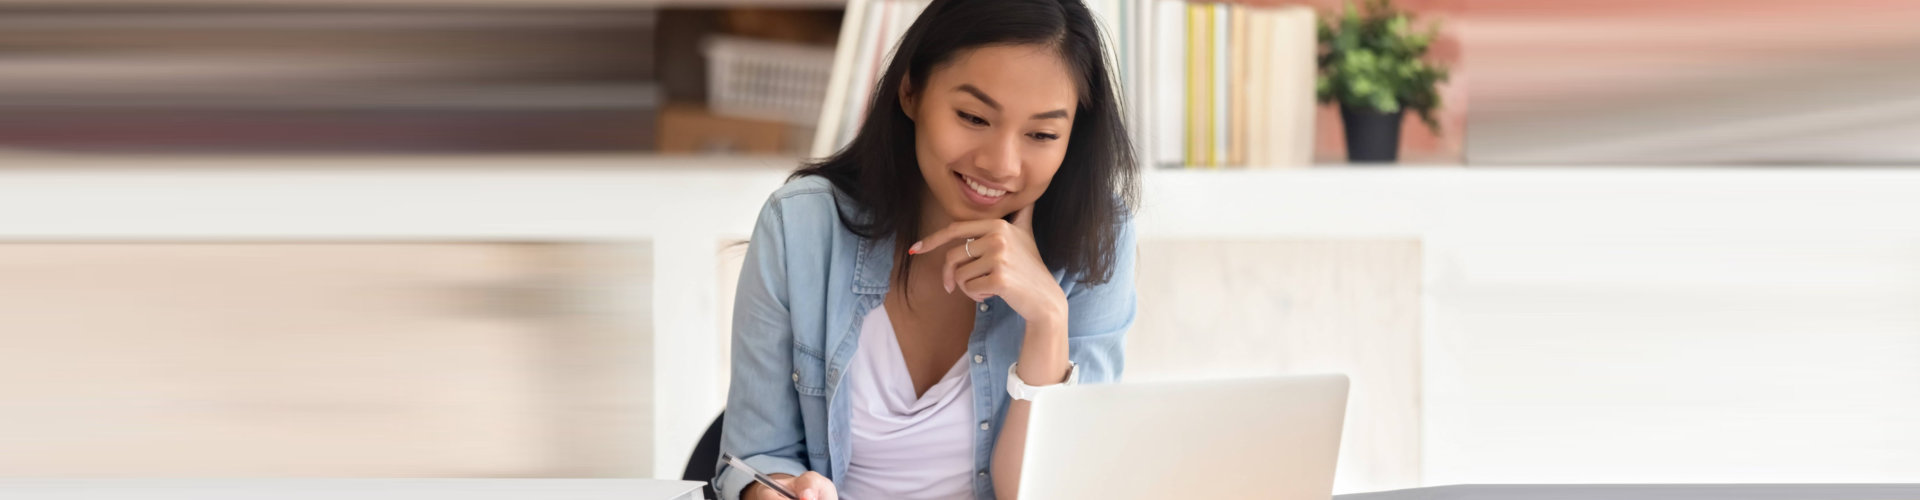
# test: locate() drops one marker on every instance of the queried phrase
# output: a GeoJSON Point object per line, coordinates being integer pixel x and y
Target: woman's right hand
{"type": "Point", "coordinates": [810, 486]}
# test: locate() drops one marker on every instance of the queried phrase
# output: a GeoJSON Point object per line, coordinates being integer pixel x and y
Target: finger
{"type": "Point", "coordinates": [790, 483]}
{"type": "Point", "coordinates": [983, 287]}
{"type": "Point", "coordinates": [958, 256]}
{"type": "Point", "coordinates": [1023, 219]}
{"type": "Point", "coordinates": [818, 486]}
{"type": "Point", "coordinates": [954, 232]}
{"type": "Point", "coordinates": [967, 279]}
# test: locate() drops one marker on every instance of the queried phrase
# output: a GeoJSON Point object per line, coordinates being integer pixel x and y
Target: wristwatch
{"type": "Point", "coordinates": [1021, 391]}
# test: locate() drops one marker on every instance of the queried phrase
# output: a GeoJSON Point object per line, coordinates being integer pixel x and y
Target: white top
{"type": "Point", "coordinates": [905, 447]}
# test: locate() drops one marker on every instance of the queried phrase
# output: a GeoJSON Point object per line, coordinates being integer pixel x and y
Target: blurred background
{"type": "Point", "coordinates": [1653, 241]}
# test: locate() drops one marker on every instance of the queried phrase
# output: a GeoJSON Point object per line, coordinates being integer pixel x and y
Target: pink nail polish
{"type": "Point", "coordinates": [915, 249]}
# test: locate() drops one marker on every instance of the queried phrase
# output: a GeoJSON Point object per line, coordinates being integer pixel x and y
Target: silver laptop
{"type": "Point", "coordinates": [1270, 437]}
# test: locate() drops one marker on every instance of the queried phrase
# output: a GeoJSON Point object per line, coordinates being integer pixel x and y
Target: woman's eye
{"type": "Point", "coordinates": [1043, 136]}
{"type": "Point", "coordinates": [971, 120]}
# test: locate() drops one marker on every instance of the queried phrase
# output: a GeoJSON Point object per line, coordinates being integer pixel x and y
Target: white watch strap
{"type": "Point", "coordinates": [1021, 391]}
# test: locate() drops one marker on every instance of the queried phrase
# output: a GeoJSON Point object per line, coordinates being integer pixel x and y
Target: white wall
{"type": "Point", "coordinates": [1632, 325]}
{"type": "Point", "coordinates": [1694, 326]}
{"type": "Point", "coordinates": [1213, 308]}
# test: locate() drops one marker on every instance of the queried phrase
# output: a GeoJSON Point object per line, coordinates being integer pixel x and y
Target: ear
{"type": "Point", "coordinates": [907, 99]}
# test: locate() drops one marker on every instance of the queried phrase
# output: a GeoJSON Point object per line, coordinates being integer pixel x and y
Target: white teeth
{"type": "Point", "coordinates": [977, 188]}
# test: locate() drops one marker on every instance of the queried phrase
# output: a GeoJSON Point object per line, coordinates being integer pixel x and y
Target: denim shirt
{"type": "Point", "coordinates": [805, 287]}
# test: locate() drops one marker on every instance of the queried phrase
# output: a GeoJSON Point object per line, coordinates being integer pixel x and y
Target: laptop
{"type": "Point", "coordinates": [1268, 437]}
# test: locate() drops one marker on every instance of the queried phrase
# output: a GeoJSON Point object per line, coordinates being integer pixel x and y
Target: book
{"type": "Point", "coordinates": [1219, 75]}
{"type": "Point", "coordinates": [1238, 88]}
{"type": "Point", "coordinates": [1167, 95]}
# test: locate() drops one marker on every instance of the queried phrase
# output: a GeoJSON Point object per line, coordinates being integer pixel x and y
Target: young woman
{"type": "Point", "coordinates": [971, 243]}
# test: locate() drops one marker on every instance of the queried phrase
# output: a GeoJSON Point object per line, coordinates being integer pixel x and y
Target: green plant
{"type": "Point", "coordinates": [1371, 59]}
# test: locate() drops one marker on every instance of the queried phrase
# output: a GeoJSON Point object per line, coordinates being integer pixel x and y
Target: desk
{"type": "Point", "coordinates": [1647, 492]}
{"type": "Point", "coordinates": [350, 489]}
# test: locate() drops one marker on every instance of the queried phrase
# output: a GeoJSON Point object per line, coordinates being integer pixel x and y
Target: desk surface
{"type": "Point", "coordinates": [1648, 492]}
{"type": "Point", "coordinates": [350, 489]}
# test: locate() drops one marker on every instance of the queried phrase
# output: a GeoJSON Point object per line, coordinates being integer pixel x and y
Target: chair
{"type": "Point", "coordinates": [706, 455]}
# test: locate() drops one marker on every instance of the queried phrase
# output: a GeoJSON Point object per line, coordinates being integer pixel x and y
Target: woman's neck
{"type": "Point", "coordinates": [932, 217]}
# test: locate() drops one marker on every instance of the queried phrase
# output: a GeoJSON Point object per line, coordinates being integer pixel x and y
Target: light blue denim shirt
{"type": "Point", "coordinates": [806, 285]}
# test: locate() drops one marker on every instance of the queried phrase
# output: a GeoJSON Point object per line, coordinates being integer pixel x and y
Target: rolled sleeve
{"type": "Point", "coordinates": [763, 422]}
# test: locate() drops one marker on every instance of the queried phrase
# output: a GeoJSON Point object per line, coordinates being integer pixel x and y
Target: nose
{"type": "Point", "coordinates": [999, 157]}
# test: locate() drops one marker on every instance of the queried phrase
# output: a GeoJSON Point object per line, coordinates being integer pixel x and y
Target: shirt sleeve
{"type": "Point", "coordinates": [1099, 316]}
{"type": "Point", "coordinates": [763, 424]}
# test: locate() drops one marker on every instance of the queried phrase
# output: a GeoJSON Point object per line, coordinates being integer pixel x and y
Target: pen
{"type": "Point", "coordinates": [737, 463]}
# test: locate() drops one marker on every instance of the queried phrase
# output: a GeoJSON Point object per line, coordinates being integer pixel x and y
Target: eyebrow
{"type": "Point", "coordinates": [977, 93]}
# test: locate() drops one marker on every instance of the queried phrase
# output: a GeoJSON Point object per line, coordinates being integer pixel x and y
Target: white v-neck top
{"type": "Point", "coordinates": [905, 447]}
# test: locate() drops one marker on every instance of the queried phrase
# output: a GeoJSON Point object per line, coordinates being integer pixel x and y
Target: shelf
{"type": "Point", "coordinates": [616, 196]}
{"type": "Point", "coordinates": [393, 97]}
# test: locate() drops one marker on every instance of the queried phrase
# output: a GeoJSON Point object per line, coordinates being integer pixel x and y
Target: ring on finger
{"type": "Point", "coordinates": [968, 246]}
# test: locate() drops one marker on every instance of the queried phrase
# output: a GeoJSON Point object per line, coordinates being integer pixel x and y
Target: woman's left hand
{"type": "Point", "coordinates": [1001, 260]}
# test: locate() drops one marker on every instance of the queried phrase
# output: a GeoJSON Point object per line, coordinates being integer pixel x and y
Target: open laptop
{"type": "Point", "coordinates": [1269, 437]}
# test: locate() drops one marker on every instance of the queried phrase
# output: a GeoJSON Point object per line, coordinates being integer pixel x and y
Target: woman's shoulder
{"type": "Point", "coordinates": [803, 187]}
{"type": "Point", "coordinates": [808, 201]}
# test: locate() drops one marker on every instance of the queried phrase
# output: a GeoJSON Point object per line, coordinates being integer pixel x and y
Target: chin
{"type": "Point", "coordinates": [966, 214]}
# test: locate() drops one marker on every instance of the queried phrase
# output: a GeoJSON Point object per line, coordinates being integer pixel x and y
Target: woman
{"type": "Point", "coordinates": [973, 241]}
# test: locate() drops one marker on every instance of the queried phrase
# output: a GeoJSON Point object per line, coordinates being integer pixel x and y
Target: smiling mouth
{"type": "Point", "coordinates": [980, 189]}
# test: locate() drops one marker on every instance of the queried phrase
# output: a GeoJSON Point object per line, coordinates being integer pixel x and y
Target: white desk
{"type": "Point", "coordinates": [1647, 492]}
{"type": "Point", "coordinates": [350, 489]}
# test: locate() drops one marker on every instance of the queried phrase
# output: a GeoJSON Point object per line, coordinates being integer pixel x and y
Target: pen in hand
{"type": "Point", "coordinates": [758, 477]}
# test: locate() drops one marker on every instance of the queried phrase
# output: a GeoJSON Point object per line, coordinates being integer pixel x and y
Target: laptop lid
{"type": "Point", "coordinates": [1267, 437]}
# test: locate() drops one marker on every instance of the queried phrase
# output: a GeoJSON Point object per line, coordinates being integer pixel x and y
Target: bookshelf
{"type": "Point", "coordinates": [375, 77]}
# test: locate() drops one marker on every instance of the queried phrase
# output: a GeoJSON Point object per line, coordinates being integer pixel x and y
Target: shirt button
{"type": "Point", "coordinates": [983, 473]}
{"type": "Point", "coordinates": [977, 359]}
{"type": "Point", "coordinates": [985, 426]}
{"type": "Point", "coordinates": [983, 307]}
{"type": "Point", "coordinates": [796, 376]}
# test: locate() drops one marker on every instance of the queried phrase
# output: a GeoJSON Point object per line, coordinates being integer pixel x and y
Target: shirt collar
{"type": "Point", "coordinates": [874, 265]}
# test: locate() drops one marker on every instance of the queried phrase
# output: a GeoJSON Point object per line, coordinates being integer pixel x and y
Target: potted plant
{"type": "Point", "coordinates": [1373, 64]}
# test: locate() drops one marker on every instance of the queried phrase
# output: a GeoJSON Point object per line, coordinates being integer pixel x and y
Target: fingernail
{"type": "Point", "coordinates": [915, 249]}
{"type": "Point", "coordinates": [949, 288]}
{"type": "Point", "coordinates": [809, 494]}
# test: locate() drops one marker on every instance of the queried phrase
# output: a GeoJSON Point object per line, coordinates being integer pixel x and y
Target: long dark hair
{"type": "Point", "coordinates": [1076, 223]}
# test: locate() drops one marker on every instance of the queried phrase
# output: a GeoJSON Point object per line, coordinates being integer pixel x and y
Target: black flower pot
{"type": "Point", "coordinates": [1372, 136]}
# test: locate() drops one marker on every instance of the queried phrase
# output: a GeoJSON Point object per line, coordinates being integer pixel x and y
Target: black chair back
{"type": "Point", "coordinates": [706, 455]}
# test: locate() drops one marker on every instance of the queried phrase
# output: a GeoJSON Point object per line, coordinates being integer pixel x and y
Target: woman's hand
{"type": "Point", "coordinates": [810, 486]}
{"type": "Point", "coordinates": [1001, 260]}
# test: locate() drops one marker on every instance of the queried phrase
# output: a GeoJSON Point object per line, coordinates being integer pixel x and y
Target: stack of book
{"type": "Point", "coordinates": [1245, 76]}
{"type": "Point", "coordinates": [1204, 85]}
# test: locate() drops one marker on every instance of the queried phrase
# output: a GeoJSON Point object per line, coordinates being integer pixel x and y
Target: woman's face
{"type": "Point", "coordinates": [992, 128]}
